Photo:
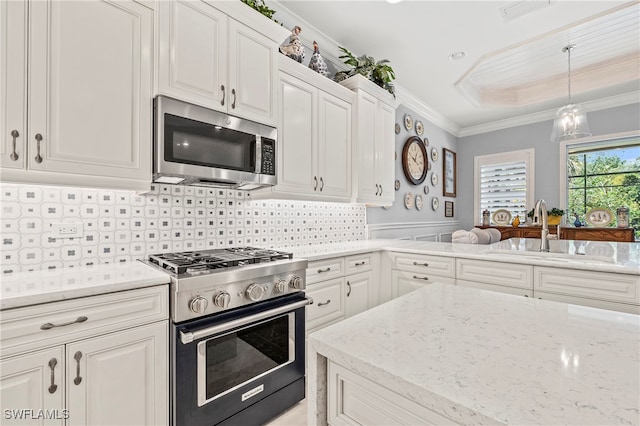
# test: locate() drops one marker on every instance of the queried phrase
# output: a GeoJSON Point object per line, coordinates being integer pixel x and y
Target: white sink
{"type": "Point", "coordinates": [549, 256]}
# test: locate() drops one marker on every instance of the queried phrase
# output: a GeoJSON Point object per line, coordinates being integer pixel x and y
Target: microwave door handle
{"type": "Point", "coordinates": [258, 168]}
{"type": "Point", "coordinates": [187, 337]}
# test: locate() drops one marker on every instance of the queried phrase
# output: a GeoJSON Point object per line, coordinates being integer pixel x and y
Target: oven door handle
{"type": "Point", "coordinates": [189, 336]}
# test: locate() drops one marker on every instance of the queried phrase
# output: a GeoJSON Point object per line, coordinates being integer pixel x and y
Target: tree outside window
{"type": "Point", "coordinates": [604, 177]}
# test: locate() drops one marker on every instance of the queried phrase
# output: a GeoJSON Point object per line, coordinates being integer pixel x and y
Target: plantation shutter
{"type": "Point", "coordinates": [504, 186]}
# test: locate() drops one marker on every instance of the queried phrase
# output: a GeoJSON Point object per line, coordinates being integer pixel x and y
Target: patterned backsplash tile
{"type": "Point", "coordinates": [121, 226]}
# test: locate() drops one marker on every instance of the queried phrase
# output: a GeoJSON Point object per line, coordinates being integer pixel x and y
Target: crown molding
{"type": "Point", "coordinates": [596, 105]}
{"type": "Point", "coordinates": [419, 107]}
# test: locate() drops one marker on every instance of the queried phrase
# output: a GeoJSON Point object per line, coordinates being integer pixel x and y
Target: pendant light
{"type": "Point", "coordinates": [571, 119]}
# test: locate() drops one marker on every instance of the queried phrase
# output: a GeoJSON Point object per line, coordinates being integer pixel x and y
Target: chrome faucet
{"type": "Point", "coordinates": [541, 210]}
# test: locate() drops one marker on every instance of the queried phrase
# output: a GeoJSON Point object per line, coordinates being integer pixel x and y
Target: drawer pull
{"type": "Point", "coordinates": [323, 270]}
{"type": "Point", "coordinates": [52, 365]}
{"type": "Point", "coordinates": [49, 326]}
{"type": "Point", "coordinates": [360, 263]}
{"type": "Point", "coordinates": [415, 277]}
{"type": "Point", "coordinates": [324, 303]}
{"type": "Point", "coordinates": [420, 264]}
{"type": "Point", "coordinates": [77, 357]}
{"type": "Point", "coordinates": [348, 289]}
{"type": "Point", "coordinates": [526, 295]}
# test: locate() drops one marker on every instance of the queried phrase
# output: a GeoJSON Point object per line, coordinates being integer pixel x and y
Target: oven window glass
{"type": "Point", "coordinates": [192, 142]}
{"type": "Point", "coordinates": [234, 358]}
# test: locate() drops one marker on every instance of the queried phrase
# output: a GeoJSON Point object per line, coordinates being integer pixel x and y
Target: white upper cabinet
{"type": "Point", "coordinates": [211, 59]}
{"type": "Point", "coordinates": [314, 137]}
{"type": "Point", "coordinates": [373, 145]}
{"type": "Point", "coordinates": [88, 111]}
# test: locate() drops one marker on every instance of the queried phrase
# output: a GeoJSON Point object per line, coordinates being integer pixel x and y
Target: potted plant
{"type": "Point", "coordinates": [379, 72]}
{"type": "Point", "coordinates": [554, 216]}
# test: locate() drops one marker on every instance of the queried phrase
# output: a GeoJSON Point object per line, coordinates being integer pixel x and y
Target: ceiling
{"type": "Point", "coordinates": [513, 68]}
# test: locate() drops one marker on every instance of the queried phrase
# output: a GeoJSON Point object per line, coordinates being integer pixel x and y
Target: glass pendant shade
{"type": "Point", "coordinates": [570, 123]}
{"type": "Point", "coordinates": [571, 119]}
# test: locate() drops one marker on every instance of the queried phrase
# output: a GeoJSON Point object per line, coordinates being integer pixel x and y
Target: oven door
{"type": "Point", "coordinates": [228, 362]}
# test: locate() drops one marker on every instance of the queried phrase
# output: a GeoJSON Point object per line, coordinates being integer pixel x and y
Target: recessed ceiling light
{"type": "Point", "coordinates": [393, 1]}
{"type": "Point", "coordinates": [457, 55]}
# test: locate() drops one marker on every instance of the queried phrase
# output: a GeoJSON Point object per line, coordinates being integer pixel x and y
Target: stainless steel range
{"type": "Point", "coordinates": [237, 344]}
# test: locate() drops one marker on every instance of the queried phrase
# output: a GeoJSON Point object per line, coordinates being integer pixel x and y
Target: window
{"type": "Point", "coordinates": [604, 174]}
{"type": "Point", "coordinates": [504, 181]}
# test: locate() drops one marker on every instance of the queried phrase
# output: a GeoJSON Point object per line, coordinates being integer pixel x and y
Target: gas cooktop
{"type": "Point", "coordinates": [202, 260]}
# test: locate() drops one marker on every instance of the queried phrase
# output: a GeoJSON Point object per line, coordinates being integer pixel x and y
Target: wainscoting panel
{"type": "Point", "coordinates": [419, 231]}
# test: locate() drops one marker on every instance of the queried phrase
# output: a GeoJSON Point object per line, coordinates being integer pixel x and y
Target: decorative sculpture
{"type": "Point", "coordinates": [317, 62]}
{"type": "Point", "coordinates": [293, 48]}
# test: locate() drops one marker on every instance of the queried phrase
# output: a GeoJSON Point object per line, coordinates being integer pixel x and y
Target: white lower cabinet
{"type": "Point", "coordinates": [328, 304]}
{"type": "Point", "coordinates": [358, 293]}
{"type": "Point", "coordinates": [118, 376]}
{"type": "Point", "coordinates": [498, 288]}
{"type": "Point", "coordinates": [355, 400]}
{"type": "Point", "coordinates": [406, 282]}
{"type": "Point", "coordinates": [593, 303]}
{"type": "Point", "coordinates": [413, 271]}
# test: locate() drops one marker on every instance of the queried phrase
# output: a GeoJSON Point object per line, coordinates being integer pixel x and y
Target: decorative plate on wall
{"type": "Point", "coordinates": [419, 128]}
{"type": "Point", "coordinates": [434, 178]}
{"type": "Point", "coordinates": [408, 200]}
{"type": "Point", "coordinates": [434, 154]}
{"type": "Point", "coordinates": [426, 189]}
{"type": "Point", "coordinates": [419, 202]}
{"type": "Point", "coordinates": [426, 141]}
{"type": "Point", "coordinates": [397, 128]}
{"type": "Point", "coordinates": [501, 217]}
{"type": "Point", "coordinates": [408, 122]}
{"type": "Point", "coordinates": [435, 203]}
{"type": "Point", "coordinates": [397, 184]}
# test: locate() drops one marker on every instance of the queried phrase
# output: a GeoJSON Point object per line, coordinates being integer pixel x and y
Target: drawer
{"type": "Point", "coordinates": [498, 288]}
{"type": "Point", "coordinates": [403, 282]}
{"type": "Point", "coordinates": [322, 270]}
{"type": "Point", "coordinates": [358, 263]}
{"type": "Point", "coordinates": [328, 303]}
{"type": "Point", "coordinates": [432, 265]}
{"type": "Point", "coordinates": [590, 284]}
{"type": "Point", "coordinates": [602, 304]}
{"type": "Point", "coordinates": [497, 273]}
{"type": "Point", "coordinates": [22, 330]}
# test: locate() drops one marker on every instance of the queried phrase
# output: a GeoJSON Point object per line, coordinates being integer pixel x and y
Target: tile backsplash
{"type": "Point", "coordinates": [120, 226]}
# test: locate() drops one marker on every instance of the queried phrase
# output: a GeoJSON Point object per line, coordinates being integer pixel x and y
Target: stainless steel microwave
{"type": "Point", "coordinates": [199, 146]}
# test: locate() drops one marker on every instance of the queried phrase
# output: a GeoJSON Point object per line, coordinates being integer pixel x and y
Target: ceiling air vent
{"type": "Point", "coordinates": [517, 9]}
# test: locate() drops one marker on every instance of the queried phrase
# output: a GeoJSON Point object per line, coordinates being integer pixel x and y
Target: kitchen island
{"type": "Point", "coordinates": [449, 354]}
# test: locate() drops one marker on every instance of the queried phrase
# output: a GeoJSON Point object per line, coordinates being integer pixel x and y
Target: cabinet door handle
{"type": "Point", "coordinates": [14, 154]}
{"type": "Point", "coordinates": [315, 186]}
{"type": "Point", "coordinates": [233, 104]}
{"type": "Point", "coordinates": [38, 156]}
{"type": "Point", "coordinates": [321, 184]}
{"type": "Point", "coordinates": [377, 189]}
{"type": "Point", "coordinates": [324, 303]}
{"type": "Point", "coordinates": [360, 263]}
{"type": "Point", "coordinates": [381, 190]}
{"type": "Point", "coordinates": [348, 289]}
{"type": "Point", "coordinates": [223, 95]}
{"type": "Point", "coordinates": [323, 270]}
{"type": "Point", "coordinates": [77, 356]}
{"type": "Point", "coordinates": [52, 365]}
{"type": "Point", "coordinates": [415, 277]}
{"type": "Point", "coordinates": [49, 326]}
{"type": "Point", "coordinates": [420, 264]}
{"type": "Point", "coordinates": [526, 295]}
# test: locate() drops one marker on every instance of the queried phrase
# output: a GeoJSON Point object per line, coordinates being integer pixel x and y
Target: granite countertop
{"type": "Point", "coordinates": [623, 258]}
{"type": "Point", "coordinates": [43, 286]}
{"type": "Point", "coordinates": [481, 357]}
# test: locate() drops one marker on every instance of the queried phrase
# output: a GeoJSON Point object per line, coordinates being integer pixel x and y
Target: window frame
{"type": "Point", "coordinates": [564, 154]}
{"type": "Point", "coordinates": [526, 155]}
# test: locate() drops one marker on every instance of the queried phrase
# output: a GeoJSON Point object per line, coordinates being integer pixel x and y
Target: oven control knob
{"type": "Point", "coordinates": [255, 292]}
{"type": "Point", "coordinates": [198, 304]}
{"type": "Point", "coordinates": [280, 286]}
{"type": "Point", "coordinates": [296, 282]}
{"type": "Point", "coordinates": [222, 299]}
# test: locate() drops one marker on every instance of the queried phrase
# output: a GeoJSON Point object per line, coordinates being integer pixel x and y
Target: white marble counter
{"type": "Point", "coordinates": [623, 258]}
{"type": "Point", "coordinates": [480, 357]}
{"type": "Point", "coordinates": [43, 286]}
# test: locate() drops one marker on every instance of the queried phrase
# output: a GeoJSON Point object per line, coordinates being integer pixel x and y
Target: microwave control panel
{"type": "Point", "coordinates": [268, 166]}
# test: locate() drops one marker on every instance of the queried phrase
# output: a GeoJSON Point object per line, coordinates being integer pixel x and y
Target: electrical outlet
{"type": "Point", "coordinates": [67, 230]}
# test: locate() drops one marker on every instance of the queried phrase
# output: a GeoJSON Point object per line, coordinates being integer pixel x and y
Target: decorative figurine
{"type": "Point", "coordinates": [485, 217]}
{"type": "Point", "coordinates": [623, 217]}
{"type": "Point", "coordinates": [294, 48]}
{"type": "Point", "coordinates": [577, 222]}
{"type": "Point", "coordinates": [516, 222]}
{"type": "Point", "coordinates": [317, 63]}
